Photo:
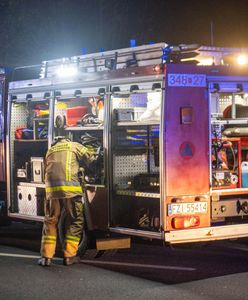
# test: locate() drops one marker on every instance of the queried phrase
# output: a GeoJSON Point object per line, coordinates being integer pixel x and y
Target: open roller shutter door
{"type": "Point", "coordinates": [228, 87]}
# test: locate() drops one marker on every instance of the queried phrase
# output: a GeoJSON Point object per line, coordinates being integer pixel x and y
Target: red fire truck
{"type": "Point", "coordinates": [173, 139]}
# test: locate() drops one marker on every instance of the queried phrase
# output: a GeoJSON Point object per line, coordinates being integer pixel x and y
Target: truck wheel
{"type": "Point", "coordinates": [83, 244]}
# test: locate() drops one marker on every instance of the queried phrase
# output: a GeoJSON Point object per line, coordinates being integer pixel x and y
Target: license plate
{"type": "Point", "coordinates": [187, 208]}
{"type": "Point", "coordinates": [187, 80]}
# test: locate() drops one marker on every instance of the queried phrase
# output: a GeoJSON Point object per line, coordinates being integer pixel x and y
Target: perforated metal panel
{"type": "Point", "coordinates": [126, 167]}
{"type": "Point", "coordinates": [134, 100]}
{"type": "Point", "coordinates": [226, 100]}
{"type": "Point", "coordinates": [30, 199]}
{"type": "Point", "coordinates": [19, 115]}
{"type": "Point", "coordinates": [27, 200]}
{"type": "Point", "coordinates": [119, 102]}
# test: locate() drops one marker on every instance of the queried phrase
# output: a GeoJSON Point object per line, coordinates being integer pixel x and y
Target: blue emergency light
{"type": "Point", "coordinates": [132, 43]}
{"type": "Point", "coordinates": [84, 51]}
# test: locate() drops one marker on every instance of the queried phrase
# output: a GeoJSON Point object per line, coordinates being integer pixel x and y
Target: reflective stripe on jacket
{"type": "Point", "coordinates": [61, 169]}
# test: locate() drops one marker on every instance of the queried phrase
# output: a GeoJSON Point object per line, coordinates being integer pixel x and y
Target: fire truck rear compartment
{"type": "Point", "coordinates": [135, 166]}
{"type": "Point", "coordinates": [132, 167]}
{"type": "Point", "coordinates": [229, 135]}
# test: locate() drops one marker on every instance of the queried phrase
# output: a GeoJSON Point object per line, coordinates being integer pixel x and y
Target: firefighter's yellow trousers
{"type": "Point", "coordinates": [73, 226]}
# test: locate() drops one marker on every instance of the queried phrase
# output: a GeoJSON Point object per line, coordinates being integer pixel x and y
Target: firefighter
{"type": "Point", "coordinates": [63, 188]}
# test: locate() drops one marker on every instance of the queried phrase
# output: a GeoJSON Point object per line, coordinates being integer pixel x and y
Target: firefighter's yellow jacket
{"type": "Point", "coordinates": [61, 169]}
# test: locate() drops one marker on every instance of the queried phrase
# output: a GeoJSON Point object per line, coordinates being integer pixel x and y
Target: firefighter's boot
{"type": "Point", "coordinates": [45, 262]}
{"type": "Point", "coordinates": [71, 260]}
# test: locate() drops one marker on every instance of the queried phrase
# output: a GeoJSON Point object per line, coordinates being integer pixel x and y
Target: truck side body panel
{"type": "Point", "coordinates": [186, 141]}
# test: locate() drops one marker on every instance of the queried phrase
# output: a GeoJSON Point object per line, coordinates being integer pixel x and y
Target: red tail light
{"type": "Point", "coordinates": [185, 222]}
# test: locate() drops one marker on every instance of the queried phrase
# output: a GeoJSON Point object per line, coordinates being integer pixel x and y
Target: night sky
{"type": "Point", "coordinates": [36, 30]}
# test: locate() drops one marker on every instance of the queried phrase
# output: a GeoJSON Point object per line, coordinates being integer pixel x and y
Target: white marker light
{"type": "Point", "coordinates": [67, 71]}
{"type": "Point", "coordinates": [206, 61]}
{"type": "Point", "coordinates": [242, 60]}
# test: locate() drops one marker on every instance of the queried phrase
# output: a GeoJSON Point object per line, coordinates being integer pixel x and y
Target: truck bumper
{"type": "Point", "coordinates": [206, 234]}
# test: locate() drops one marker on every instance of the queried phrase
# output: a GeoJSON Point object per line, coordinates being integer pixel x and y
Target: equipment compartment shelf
{"type": "Point", "coordinates": [95, 185]}
{"type": "Point", "coordinates": [78, 128]}
{"type": "Point", "coordinates": [230, 121]}
{"type": "Point", "coordinates": [134, 123]}
{"type": "Point", "coordinates": [137, 194]}
{"type": "Point", "coordinates": [32, 184]}
{"type": "Point", "coordinates": [26, 141]}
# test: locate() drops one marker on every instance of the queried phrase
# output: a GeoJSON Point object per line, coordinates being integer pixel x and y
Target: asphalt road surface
{"type": "Point", "coordinates": [146, 271]}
